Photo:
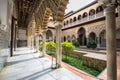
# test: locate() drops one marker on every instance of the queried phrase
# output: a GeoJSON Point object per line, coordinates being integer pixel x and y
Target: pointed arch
{"type": "Point", "coordinates": [49, 35]}
{"type": "Point", "coordinates": [81, 36]}
{"type": "Point", "coordinates": [103, 38]}
{"type": "Point", "coordinates": [92, 36]}
{"type": "Point", "coordinates": [99, 11]}
{"type": "Point", "coordinates": [73, 38]}
{"type": "Point", "coordinates": [46, 18]}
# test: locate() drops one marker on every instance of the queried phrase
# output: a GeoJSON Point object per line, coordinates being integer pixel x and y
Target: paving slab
{"type": "Point", "coordinates": [28, 65]}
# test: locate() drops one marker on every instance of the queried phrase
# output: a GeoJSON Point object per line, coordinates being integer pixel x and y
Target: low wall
{"type": "Point", "coordinates": [90, 61]}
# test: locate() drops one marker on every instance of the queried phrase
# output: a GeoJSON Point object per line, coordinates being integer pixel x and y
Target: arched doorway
{"type": "Point", "coordinates": [49, 35]}
{"type": "Point", "coordinates": [64, 38]}
{"type": "Point", "coordinates": [103, 38]}
{"type": "Point", "coordinates": [92, 36]}
{"type": "Point", "coordinates": [81, 37]}
{"type": "Point", "coordinates": [68, 38]}
{"type": "Point", "coordinates": [73, 38]}
{"type": "Point", "coordinates": [118, 38]}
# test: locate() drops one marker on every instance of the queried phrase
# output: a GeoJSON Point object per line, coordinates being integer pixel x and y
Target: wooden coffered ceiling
{"type": "Point", "coordinates": [26, 8]}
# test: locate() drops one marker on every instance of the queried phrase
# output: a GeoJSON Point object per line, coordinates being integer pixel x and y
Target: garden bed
{"type": "Point", "coordinates": [77, 63]}
{"type": "Point", "coordinates": [93, 62]}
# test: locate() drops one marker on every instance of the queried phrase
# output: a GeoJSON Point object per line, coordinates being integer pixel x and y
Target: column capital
{"type": "Point", "coordinates": [108, 3]}
{"type": "Point", "coordinates": [58, 24]}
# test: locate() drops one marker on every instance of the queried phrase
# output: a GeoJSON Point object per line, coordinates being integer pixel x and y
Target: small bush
{"type": "Point", "coordinates": [91, 44]}
{"type": "Point", "coordinates": [51, 46]}
{"type": "Point", "coordinates": [67, 48]}
{"type": "Point", "coordinates": [75, 43]}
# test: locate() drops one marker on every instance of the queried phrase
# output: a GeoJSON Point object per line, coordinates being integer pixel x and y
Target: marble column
{"type": "Point", "coordinates": [33, 33]}
{"type": "Point", "coordinates": [44, 41]}
{"type": "Point", "coordinates": [58, 27]}
{"type": "Point", "coordinates": [111, 41]}
{"type": "Point", "coordinates": [29, 42]}
{"type": "Point", "coordinates": [15, 34]}
{"type": "Point", "coordinates": [32, 42]}
{"type": "Point", "coordinates": [12, 36]}
{"type": "Point", "coordinates": [37, 43]}
{"type": "Point", "coordinates": [98, 42]}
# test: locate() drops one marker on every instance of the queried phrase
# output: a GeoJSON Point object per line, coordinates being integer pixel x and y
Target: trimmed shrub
{"type": "Point", "coordinates": [51, 46]}
{"type": "Point", "coordinates": [67, 48]}
{"type": "Point", "coordinates": [75, 43]}
{"type": "Point", "coordinates": [91, 44]}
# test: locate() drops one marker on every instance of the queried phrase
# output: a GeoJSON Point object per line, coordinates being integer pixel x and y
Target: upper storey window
{"type": "Point", "coordinates": [99, 9]}
{"type": "Point", "coordinates": [70, 20]}
{"type": "Point", "coordinates": [84, 15]}
{"type": "Point", "coordinates": [92, 12]}
{"type": "Point", "coordinates": [79, 17]}
{"type": "Point", "coordinates": [64, 23]}
{"type": "Point", "coordinates": [74, 19]}
{"type": "Point", "coordinates": [67, 22]}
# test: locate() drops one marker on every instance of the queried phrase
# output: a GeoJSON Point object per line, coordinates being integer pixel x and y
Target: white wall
{"type": "Point", "coordinates": [3, 11]}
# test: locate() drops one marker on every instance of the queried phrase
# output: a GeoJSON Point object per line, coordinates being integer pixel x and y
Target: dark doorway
{"type": "Point", "coordinates": [82, 37]}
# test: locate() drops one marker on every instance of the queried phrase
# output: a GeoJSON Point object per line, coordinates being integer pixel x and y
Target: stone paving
{"type": "Point", "coordinates": [28, 65]}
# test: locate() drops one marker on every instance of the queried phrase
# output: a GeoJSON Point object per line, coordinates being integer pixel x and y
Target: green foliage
{"type": "Point", "coordinates": [91, 44]}
{"type": "Point", "coordinates": [41, 44]}
{"type": "Point", "coordinates": [75, 43]}
{"type": "Point", "coordinates": [67, 47]}
{"type": "Point", "coordinates": [76, 63]}
{"type": "Point", "coordinates": [51, 46]}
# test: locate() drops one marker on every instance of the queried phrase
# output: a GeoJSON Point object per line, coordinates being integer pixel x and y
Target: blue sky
{"type": "Point", "coordinates": [76, 4]}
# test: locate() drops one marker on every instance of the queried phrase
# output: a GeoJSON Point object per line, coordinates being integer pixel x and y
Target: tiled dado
{"type": "Point", "coordinates": [4, 50]}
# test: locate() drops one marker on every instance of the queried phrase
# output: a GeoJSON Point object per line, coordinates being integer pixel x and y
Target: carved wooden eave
{"type": "Point", "coordinates": [46, 18]}
{"type": "Point", "coordinates": [38, 27]}
{"type": "Point", "coordinates": [52, 5]}
{"type": "Point", "coordinates": [25, 9]}
{"type": "Point", "coordinates": [61, 10]}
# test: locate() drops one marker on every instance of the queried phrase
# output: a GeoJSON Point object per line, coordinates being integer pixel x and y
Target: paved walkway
{"type": "Point", "coordinates": [27, 65]}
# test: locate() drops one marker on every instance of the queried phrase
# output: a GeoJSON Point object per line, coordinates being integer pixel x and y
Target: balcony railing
{"type": "Point", "coordinates": [100, 14]}
{"type": "Point", "coordinates": [83, 20]}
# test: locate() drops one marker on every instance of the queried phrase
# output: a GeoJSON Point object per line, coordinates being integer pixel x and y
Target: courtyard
{"type": "Point", "coordinates": [49, 40]}
{"type": "Point", "coordinates": [30, 65]}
